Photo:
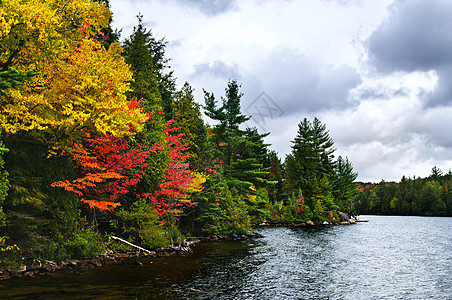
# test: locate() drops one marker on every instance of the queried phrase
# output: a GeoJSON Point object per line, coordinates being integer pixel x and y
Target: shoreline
{"type": "Point", "coordinates": [35, 267]}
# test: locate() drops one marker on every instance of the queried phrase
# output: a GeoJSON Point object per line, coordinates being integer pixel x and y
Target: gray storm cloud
{"type": "Point", "coordinates": [416, 37]}
{"type": "Point", "coordinates": [216, 69]}
{"type": "Point", "coordinates": [300, 84]}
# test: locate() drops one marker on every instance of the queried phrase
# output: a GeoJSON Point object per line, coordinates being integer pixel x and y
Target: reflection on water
{"type": "Point", "coordinates": [387, 258]}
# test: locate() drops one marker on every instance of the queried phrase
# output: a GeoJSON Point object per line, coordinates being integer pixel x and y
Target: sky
{"type": "Point", "coordinates": [378, 73]}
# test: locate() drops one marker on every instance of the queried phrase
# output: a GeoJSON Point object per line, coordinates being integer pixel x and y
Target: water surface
{"type": "Point", "coordinates": [386, 258]}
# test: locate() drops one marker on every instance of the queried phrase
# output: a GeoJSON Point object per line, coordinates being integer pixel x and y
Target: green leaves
{"type": "Point", "coordinates": [13, 78]}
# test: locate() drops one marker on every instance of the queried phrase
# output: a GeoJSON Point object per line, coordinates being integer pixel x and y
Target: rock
{"type": "Point", "coordinates": [29, 274]}
{"type": "Point", "coordinates": [5, 276]}
{"type": "Point", "coordinates": [325, 223]}
{"type": "Point", "coordinates": [71, 263]}
{"type": "Point", "coordinates": [50, 266]}
{"type": "Point", "coordinates": [34, 265]}
{"type": "Point", "coordinates": [345, 223]}
{"type": "Point", "coordinates": [310, 223]}
{"type": "Point", "coordinates": [343, 217]}
{"type": "Point", "coordinates": [20, 269]}
{"type": "Point", "coordinates": [351, 221]}
{"type": "Point", "coordinates": [138, 263]}
{"type": "Point", "coordinates": [82, 264]}
{"type": "Point", "coordinates": [96, 263]}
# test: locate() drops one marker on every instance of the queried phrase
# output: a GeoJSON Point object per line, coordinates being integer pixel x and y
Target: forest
{"type": "Point", "coordinates": [430, 196]}
{"type": "Point", "coordinates": [97, 141]}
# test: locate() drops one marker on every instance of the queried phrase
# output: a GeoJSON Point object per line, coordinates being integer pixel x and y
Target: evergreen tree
{"type": "Point", "coordinates": [344, 187]}
{"type": "Point", "coordinates": [311, 159]}
{"type": "Point", "coordinates": [162, 81]}
{"type": "Point", "coordinates": [12, 78]}
{"type": "Point", "coordinates": [242, 152]}
{"type": "Point", "coordinates": [188, 117]}
{"type": "Point", "coordinates": [139, 54]}
{"type": "Point", "coordinates": [276, 175]}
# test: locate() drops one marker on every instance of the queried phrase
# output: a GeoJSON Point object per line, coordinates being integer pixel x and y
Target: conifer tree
{"type": "Point", "coordinates": [139, 54]}
{"type": "Point", "coordinates": [310, 161]}
{"type": "Point", "coordinates": [344, 187]}
{"type": "Point", "coordinates": [188, 117]}
{"type": "Point", "coordinates": [242, 152]}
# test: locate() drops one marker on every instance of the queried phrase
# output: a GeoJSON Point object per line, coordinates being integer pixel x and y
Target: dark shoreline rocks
{"type": "Point", "coordinates": [308, 224]}
{"type": "Point", "coordinates": [37, 267]}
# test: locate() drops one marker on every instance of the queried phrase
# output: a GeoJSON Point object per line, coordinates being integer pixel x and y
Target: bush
{"type": "Point", "coordinates": [139, 224]}
{"type": "Point", "coordinates": [86, 243]}
{"type": "Point", "coordinates": [10, 255]}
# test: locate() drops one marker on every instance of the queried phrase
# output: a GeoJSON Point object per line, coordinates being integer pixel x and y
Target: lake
{"type": "Point", "coordinates": [385, 258]}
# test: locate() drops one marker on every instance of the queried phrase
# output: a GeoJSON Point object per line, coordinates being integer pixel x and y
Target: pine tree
{"type": "Point", "coordinates": [139, 54]}
{"type": "Point", "coordinates": [344, 187]}
{"type": "Point", "coordinates": [188, 117]}
{"type": "Point", "coordinates": [311, 159]}
{"type": "Point", "coordinates": [276, 175]}
{"type": "Point", "coordinates": [242, 152]}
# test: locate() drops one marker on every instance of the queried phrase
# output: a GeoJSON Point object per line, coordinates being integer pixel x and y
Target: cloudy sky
{"type": "Point", "coordinates": [378, 73]}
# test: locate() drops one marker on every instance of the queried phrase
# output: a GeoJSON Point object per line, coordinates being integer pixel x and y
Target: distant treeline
{"type": "Point", "coordinates": [430, 196]}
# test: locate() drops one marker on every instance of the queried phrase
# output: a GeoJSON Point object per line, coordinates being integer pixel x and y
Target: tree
{"type": "Point", "coordinates": [172, 194]}
{"type": "Point", "coordinates": [33, 32]}
{"type": "Point", "coordinates": [140, 55]}
{"type": "Point", "coordinates": [311, 159]}
{"type": "Point", "coordinates": [110, 169]}
{"type": "Point", "coordinates": [187, 115]}
{"type": "Point", "coordinates": [436, 173]}
{"type": "Point", "coordinates": [3, 183]}
{"type": "Point", "coordinates": [242, 152]}
{"type": "Point", "coordinates": [275, 175]}
{"type": "Point", "coordinates": [12, 78]}
{"type": "Point", "coordinates": [344, 187]}
{"type": "Point", "coordinates": [147, 56]}
{"type": "Point", "coordinates": [83, 88]}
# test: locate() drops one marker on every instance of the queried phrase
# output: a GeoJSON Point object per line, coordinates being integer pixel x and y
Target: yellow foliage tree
{"type": "Point", "coordinates": [81, 84]}
{"type": "Point", "coordinates": [35, 30]}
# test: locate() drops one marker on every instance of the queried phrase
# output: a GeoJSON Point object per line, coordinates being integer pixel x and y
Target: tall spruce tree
{"type": "Point", "coordinates": [242, 152]}
{"type": "Point", "coordinates": [344, 187]}
{"type": "Point", "coordinates": [310, 161]}
{"type": "Point", "coordinates": [139, 53]}
{"type": "Point", "coordinates": [187, 114]}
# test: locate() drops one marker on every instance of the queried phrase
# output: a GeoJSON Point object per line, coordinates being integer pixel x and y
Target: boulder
{"type": "Point", "coordinates": [325, 223]}
{"type": "Point", "coordinates": [310, 223]}
{"type": "Point", "coordinates": [35, 264]}
{"type": "Point", "coordinates": [50, 266]}
{"type": "Point", "coordinates": [343, 217]}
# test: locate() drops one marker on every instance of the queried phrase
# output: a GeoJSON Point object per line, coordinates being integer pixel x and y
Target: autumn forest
{"type": "Point", "coordinates": [97, 140]}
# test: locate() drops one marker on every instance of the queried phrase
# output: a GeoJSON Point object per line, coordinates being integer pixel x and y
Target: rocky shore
{"type": "Point", "coordinates": [35, 267]}
{"type": "Point", "coordinates": [310, 224]}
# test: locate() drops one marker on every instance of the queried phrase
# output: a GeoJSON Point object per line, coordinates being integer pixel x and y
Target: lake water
{"type": "Point", "coordinates": [386, 258]}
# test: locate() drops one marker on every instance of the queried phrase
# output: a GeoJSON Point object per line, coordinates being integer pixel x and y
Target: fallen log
{"type": "Point", "coordinates": [130, 244]}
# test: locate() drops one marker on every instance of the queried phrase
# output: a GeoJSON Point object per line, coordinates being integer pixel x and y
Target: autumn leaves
{"type": "Point", "coordinates": [77, 102]}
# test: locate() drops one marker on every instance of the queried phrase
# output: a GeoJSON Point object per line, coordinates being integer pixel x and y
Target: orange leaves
{"type": "Point", "coordinates": [101, 205]}
{"type": "Point", "coordinates": [88, 181]}
{"type": "Point", "coordinates": [111, 167]}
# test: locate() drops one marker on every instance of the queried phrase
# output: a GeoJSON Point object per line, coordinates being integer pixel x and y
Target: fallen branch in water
{"type": "Point", "coordinates": [130, 244]}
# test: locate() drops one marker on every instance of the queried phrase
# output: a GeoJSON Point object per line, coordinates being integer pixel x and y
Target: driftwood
{"type": "Point", "coordinates": [130, 244]}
